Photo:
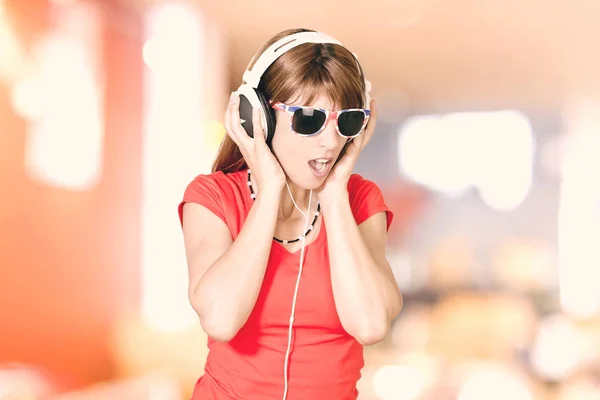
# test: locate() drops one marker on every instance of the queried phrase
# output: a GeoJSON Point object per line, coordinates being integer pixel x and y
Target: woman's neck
{"type": "Point", "coordinates": [287, 209]}
{"type": "Point", "coordinates": [303, 198]}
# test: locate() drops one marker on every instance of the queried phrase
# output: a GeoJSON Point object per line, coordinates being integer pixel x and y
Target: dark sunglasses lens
{"type": "Point", "coordinates": [307, 121]}
{"type": "Point", "coordinates": [350, 123]}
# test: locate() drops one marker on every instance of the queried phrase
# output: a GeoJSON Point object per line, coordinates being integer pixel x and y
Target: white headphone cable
{"type": "Point", "coordinates": [294, 201]}
{"type": "Point", "coordinates": [289, 347]}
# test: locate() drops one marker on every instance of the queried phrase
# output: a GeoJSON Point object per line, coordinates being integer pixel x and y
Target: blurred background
{"type": "Point", "coordinates": [487, 149]}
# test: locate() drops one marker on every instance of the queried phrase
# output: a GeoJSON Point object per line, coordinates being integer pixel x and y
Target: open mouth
{"type": "Point", "coordinates": [320, 166]}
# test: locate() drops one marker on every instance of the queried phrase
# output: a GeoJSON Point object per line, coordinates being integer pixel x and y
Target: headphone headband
{"type": "Point", "coordinates": [273, 52]}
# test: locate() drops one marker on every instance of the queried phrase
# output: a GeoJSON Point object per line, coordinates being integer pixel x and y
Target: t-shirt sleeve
{"type": "Point", "coordinates": [366, 200]}
{"type": "Point", "coordinates": [203, 190]}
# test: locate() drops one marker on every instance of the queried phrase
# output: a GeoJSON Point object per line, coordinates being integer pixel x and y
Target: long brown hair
{"type": "Point", "coordinates": [306, 71]}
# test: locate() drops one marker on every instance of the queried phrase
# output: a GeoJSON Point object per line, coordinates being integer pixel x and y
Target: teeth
{"type": "Point", "coordinates": [320, 164]}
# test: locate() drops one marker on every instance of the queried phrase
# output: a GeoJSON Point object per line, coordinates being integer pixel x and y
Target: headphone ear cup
{"type": "Point", "coordinates": [269, 114]}
{"type": "Point", "coordinates": [251, 98]}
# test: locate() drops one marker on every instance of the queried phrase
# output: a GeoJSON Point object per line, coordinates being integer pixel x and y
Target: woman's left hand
{"type": "Point", "coordinates": [337, 180]}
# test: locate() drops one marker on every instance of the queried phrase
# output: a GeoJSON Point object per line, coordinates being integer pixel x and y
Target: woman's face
{"type": "Point", "coordinates": [307, 160]}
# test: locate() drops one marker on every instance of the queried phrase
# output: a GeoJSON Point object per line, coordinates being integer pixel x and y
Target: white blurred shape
{"type": "Point", "coordinates": [173, 154]}
{"type": "Point", "coordinates": [494, 384]}
{"type": "Point", "coordinates": [558, 348]}
{"type": "Point", "coordinates": [579, 214]}
{"type": "Point", "coordinates": [28, 100]}
{"type": "Point", "coordinates": [154, 51]}
{"type": "Point", "coordinates": [398, 382]}
{"type": "Point", "coordinates": [63, 104]}
{"type": "Point", "coordinates": [492, 151]}
{"type": "Point", "coordinates": [508, 143]}
{"type": "Point", "coordinates": [430, 157]}
{"type": "Point", "coordinates": [171, 28]}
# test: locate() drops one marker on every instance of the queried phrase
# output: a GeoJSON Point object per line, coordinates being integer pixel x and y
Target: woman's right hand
{"type": "Point", "coordinates": [265, 168]}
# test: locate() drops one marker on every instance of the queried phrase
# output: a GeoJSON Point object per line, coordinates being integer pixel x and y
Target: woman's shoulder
{"type": "Point", "coordinates": [218, 191]}
{"type": "Point", "coordinates": [358, 182]}
{"type": "Point", "coordinates": [360, 188]}
{"type": "Point", "coordinates": [224, 188]}
{"type": "Point", "coordinates": [220, 175]}
{"type": "Point", "coordinates": [366, 199]}
{"type": "Point", "coordinates": [218, 180]}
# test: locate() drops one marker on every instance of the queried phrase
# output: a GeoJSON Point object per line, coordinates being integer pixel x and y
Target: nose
{"type": "Point", "coordinates": [329, 138]}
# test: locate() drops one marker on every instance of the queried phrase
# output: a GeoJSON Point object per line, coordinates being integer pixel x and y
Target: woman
{"type": "Point", "coordinates": [285, 246]}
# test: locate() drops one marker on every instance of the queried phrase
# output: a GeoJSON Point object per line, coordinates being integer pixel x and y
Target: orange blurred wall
{"type": "Point", "coordinates": [70, 261]}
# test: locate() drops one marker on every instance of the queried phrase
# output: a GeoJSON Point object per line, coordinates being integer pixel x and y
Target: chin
{"type": "Point", "coordinates": [302, 177]}
{"type": "Point", "coordinates": [309, 182]}
{"type": "Point", "coordinates": [312, 182]}
{"type": "Point", "coordinates": [315, 186]}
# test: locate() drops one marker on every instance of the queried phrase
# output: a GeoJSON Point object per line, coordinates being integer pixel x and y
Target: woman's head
{"type": "Point", "coordinates": [319, 75]}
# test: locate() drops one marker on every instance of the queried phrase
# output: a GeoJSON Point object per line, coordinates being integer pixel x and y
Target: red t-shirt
{"type": "Point", "coordinates": [325, 361]}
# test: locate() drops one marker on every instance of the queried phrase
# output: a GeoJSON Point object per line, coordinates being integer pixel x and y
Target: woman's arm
{"type": "Point", "coordinates": [226, 276]}
{"type": "Point", "coordinates": [366, 295]}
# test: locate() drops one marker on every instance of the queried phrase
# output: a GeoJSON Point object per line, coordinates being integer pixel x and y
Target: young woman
{"type": "Point", "coordinates": [285, 245]}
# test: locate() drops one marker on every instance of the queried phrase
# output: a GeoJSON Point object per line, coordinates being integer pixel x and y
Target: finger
{"type": "Point", "coordinates": [259, 132]}
{"type": "Point", "coordinates": [354, 146]}
{"type": "Point", "coordinates": [226, 118]}
{"type": "Point", "coordinates": [370, 128]}
{"type": "Point", "coordinates": [236, 125]}
{"type": "Point", "coordinates": [227, 123]}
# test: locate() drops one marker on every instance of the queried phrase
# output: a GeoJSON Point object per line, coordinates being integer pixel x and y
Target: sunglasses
{"type": "Point", "coordinates": [309, 121]}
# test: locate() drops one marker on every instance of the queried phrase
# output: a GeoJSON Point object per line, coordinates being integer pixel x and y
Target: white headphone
{"type": "Point", "coordinates": [250, 98]}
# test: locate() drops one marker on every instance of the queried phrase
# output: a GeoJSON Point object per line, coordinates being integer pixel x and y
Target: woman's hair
{"type": "Point", "coordinates": [304, 72]}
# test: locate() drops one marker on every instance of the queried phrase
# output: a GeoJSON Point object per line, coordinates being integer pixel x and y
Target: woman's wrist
{"type": "Point", "coordinates": [330, 198]}
{"type": "Point", "coordinates": [270, 195]}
